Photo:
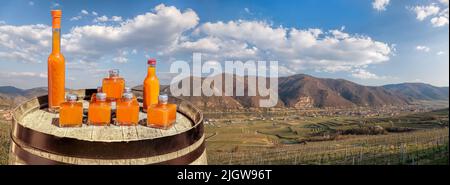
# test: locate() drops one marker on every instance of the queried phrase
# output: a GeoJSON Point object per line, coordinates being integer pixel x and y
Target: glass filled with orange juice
{"type": "Point", "coordinates": [71, 112]}
{"type": "Point", "coordinates": [163, 114]}
{"type": "Point", "coordinates": [113, 85]}
{"type": "Point", "coordinates": [99, 112]}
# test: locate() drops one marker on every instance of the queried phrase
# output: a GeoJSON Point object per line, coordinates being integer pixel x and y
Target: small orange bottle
{"type": "Point", "coordinates": [113, 85]}
{"type": "Point", "coordinates": [94, 95]}
{"type": "Point", "coordinates": [151, 86]}
{"type": "Point", "coordinates": [56, 66]}
{"type": "Point", "coordinates": [71, 112]}
{"type": "Point", "coordinates": [162, 115]}
{"type": "Point", "coordinates": [127, 113]}
{"type": "Point", "coordinates": [99, 112]}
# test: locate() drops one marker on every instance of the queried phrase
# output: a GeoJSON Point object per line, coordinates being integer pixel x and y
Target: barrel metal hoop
{"type": "Point", "coordinates": [33, 159]}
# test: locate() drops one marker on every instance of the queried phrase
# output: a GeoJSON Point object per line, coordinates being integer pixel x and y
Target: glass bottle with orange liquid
{"type": "Point", "coordinates": [162, 115]}
{"type": "Point", "coordinates": [71, 112]}
{"type": "Point", "coordinates": [113, 85]}
{"type": "Point", "coordinates": [56, 65]}
{"type": "Point", "coordinates": [151, 86]}
{"type": "Point", "coordinates": [127, 112]}
{"type": "Point", "coordinates": [99, 113]}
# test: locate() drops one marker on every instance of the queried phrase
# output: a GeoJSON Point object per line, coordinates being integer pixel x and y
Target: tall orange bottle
{"type": "Point", "coordinates": [151, 85]}
{"type": "Point", "coordinates": [56, 66]}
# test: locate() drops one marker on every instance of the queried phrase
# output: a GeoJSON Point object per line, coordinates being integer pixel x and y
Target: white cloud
{"type": "Point", "coordinates": [332, 50]}
{"type": "Point", "coordinates": [247, 10]}
{"type": "Point", "coordinates": [94, 13]}
{"type": "Point", "coordinates": [438, 13]}
{"type": "Point", "coordinates": [76, 18]}
{"type": "Point", "coordinates": [380, 5]}
{"type": "Point", "coordinates": [365, 75]}
{"type": "Point", "coordinates": [101, 19]}
{"type": "Point", "coordinates": [175, 34]}
{"type": "Point", "coordinates": [439, 21]}
{"type": "Point", "coordinates": [25, 43]}
{"type": "Point", "coordinates": [80, 15]}
{"type": "Point", "coordinates": [104, 18]}
{"type": "Point", "coordinates": [440, 53]}
{"type": "Point", "coordinates": [423, 12]}
{"type": "Point", "coordinates": [116, 18]}
{"type": "Point", "coordinates": [162, 28]}
{"type": "Point", "coordinates": [24, 74]}
{"type": "Point", "coordinates": [423, 48]}
{"type": "Point", "coordinates": [31, 3]}
{"type": "Point", "coordinates": [120, 59]}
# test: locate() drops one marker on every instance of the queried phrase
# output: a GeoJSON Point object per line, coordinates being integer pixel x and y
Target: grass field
{"type": "Point", "coordinates": [4, 141]}
{"type": "Point", "coordinates": [418, 138]}
{"type": "Point", "coordinates": [415, 139]}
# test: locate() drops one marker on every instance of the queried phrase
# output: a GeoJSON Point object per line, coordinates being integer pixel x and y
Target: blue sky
{"type": "Point", "coordinates": [371, 42]}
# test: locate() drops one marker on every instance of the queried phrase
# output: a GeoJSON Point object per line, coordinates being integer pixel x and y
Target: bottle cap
{"type": "Point", "coordinates": [151, 61]}
{"type": "Point", "coordinates": [101, 96]}
{"type": "Point", "coordinates": [71, 97]}
{"type": "Point", "coordinates": [163, 98]}
{"type": "Point", "coordinates": [114, 72]}
{"type": "Point", "coordinates": [56, 13]}
{"type": "Point", "coordinates": [127, 90]}
{"type": "Point", "coordinates": [56, 18]}
{"type": "Point", "coordinates": [128, 96]}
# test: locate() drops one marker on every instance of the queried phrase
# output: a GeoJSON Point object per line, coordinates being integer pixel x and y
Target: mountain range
{"type": "Point", "coordinates": [299, 91]}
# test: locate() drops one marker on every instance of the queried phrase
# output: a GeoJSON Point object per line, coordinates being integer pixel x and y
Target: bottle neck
{"type": "Point", "coordinates": [126, 99]}
{"type": "Point", "coordinates": [151, 70]}
{"type": "Point", "coordinates": [56, 41]}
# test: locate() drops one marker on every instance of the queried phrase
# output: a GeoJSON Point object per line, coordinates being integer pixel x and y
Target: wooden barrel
{"type": "Point", "coordinates": [36, 138]}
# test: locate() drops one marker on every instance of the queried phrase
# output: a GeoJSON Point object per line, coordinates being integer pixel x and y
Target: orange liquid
{"type": "Point", "coordinates": [56, 72]}
{"type": "Point", "coordinates": [151, 88]}
{"type": "Point", "coordinates": [113, 87]}
{"type": "Point", "coordinates": [99, 113]}
{"type": "Point", "coordinates": [71, 114]}
{"type": "Point", "coordinates": [161, 115]}
{"type": "Point", "coordinates": [127, 112]}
